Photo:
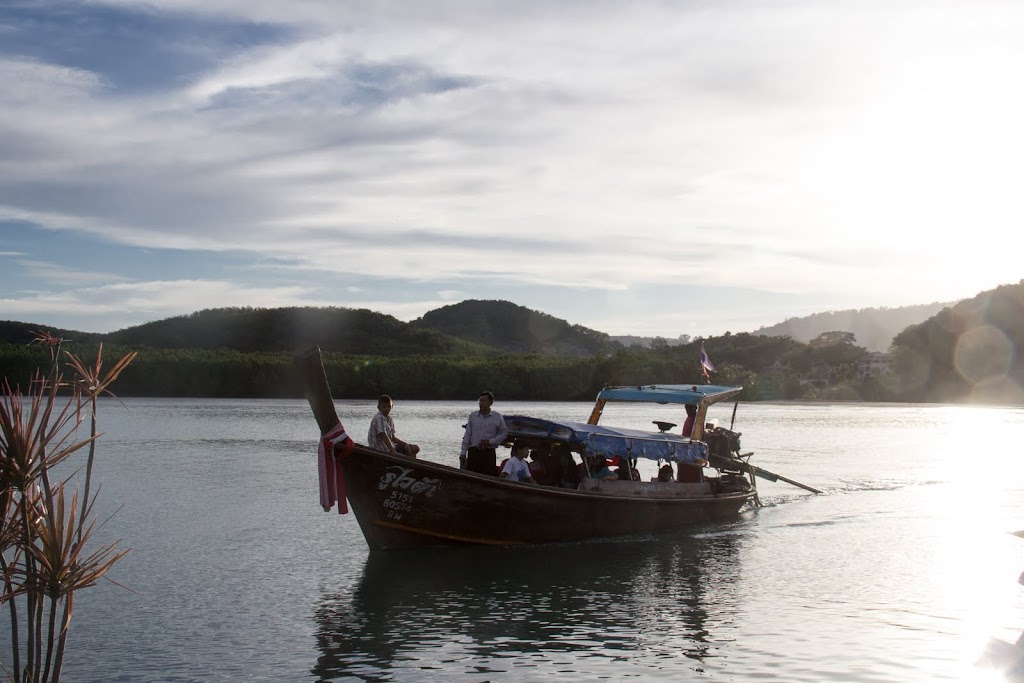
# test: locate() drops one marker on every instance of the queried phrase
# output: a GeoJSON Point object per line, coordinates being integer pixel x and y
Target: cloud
{"type": "Point", "coordinates": [591, 148]}
{"type": "Point", "coordinates": [29, 83]}
{"type": "Point", "coordinates": [55, 274]}
{"type": "Point", "coordinates": [120, 305]}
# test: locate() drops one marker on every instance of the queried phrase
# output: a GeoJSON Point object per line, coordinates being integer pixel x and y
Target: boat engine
{"type": "Point", "coordinates": [722, 442]}
{"type": "Point", "coordinates": [723, 448]}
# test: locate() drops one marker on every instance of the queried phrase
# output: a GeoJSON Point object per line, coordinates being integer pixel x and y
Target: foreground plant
{"type": "Point", "coordinates": [44, 532]}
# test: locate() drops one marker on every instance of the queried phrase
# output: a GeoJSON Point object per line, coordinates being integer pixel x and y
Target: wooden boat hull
{"type": "Point", "coordinates": [401, 503]}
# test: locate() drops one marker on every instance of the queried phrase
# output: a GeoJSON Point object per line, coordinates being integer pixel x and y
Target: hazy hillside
{"type": "Point", "coordinates": [647, 342]}
{"type": "Point", "coordinates": [511, 327]}
{"type": "Point", "coordinates": [874, 328]}
{"type": "Point", "coordinates": [342, 330]}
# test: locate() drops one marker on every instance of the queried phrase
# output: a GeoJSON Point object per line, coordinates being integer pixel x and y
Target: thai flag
{"type": "Point", "coordinates": [705, 363]}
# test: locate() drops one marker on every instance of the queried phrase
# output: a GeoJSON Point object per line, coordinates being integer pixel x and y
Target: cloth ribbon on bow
{"type": "Point", "coordinates": [332, 481]}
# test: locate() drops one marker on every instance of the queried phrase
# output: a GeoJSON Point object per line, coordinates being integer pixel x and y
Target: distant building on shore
{"type": "Point", "coordinates": [874, 364]}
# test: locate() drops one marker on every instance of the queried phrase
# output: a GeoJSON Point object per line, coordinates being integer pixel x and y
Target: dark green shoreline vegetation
{"type": "Point", "coordinates": [226, 373]}
{"type": "Point", "coordinates": [965, 353]}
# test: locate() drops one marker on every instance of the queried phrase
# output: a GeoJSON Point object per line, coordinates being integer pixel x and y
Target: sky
{"type": "Point", "coordinates": [647, 168]}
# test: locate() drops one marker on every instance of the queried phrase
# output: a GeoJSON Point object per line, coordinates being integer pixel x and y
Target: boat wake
{"type": "Point", "coordinates": [850, 487]}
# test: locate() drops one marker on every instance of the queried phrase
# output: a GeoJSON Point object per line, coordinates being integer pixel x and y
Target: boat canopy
{"type": "Point", "coordinates": [609, 441]}
{"type": "Point", "coordinates": [669, 393]}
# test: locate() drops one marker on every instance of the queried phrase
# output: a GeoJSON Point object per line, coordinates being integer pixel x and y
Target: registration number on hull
{"type": "Point", "coordinates": [403, 489]}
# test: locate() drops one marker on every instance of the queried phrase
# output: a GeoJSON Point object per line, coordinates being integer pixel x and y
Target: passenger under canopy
{"type": "Point", "coordinates": [610, 441]}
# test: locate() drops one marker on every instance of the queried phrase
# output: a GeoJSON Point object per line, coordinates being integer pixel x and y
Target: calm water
{"type": "Point", "coordinates": [901, 572]}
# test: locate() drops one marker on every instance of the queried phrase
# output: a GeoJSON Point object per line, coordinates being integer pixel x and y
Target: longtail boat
{"type": "Point", "coordinates": [402, 502]}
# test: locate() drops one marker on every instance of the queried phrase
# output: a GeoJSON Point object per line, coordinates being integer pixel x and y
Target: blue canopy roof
{"type": "Point", "coordinates": [609, 441]}
{"type": "Point", "coordinates": [669, 393]}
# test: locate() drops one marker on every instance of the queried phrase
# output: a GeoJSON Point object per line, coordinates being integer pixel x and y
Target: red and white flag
{"type": "Point", "coordinates": [705, 363]}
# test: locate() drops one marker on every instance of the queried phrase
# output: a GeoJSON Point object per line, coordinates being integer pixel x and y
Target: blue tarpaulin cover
{"type": "Point", "coordinates": [669, 393]}
{"type": "Point", "coordinates": [610, 441]}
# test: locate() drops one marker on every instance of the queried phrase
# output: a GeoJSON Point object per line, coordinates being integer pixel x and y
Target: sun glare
{"type": "Point", "coordinates": [976, 558]}
{"type": "Point", "coordinates": [928, 165]}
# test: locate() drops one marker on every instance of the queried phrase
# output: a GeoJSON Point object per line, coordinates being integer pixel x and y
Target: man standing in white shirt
{"type": "Point", "coordinates": [485, 430]}
{"type": "Point", "coordinates": [382, 431]}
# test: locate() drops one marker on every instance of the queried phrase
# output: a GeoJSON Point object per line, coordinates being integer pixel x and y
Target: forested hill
{"type": "Point", "coordinates": [471, 328]}
{"type": "Point", "coordinates": [13, 332]}
{"type": "Point", "coordinates": [874, 328]}
{"type": "Point", "coordinates": [967, 352]}
{"type": "Point", "coordinates": [515, 328]}
{"type": "Point", "coordinates": [342, 330]}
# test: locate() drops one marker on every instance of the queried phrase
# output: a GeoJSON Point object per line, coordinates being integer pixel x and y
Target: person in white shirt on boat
{"type": "Point", "coordinates": [516, 468]}
{"type": "Point", "coordinates": [485, 431]}
{"type": "Point", "coordinates": [382, 431]}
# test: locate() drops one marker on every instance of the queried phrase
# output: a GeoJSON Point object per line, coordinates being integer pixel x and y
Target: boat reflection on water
{"type": "Point", "coordinates": [651, 604]}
